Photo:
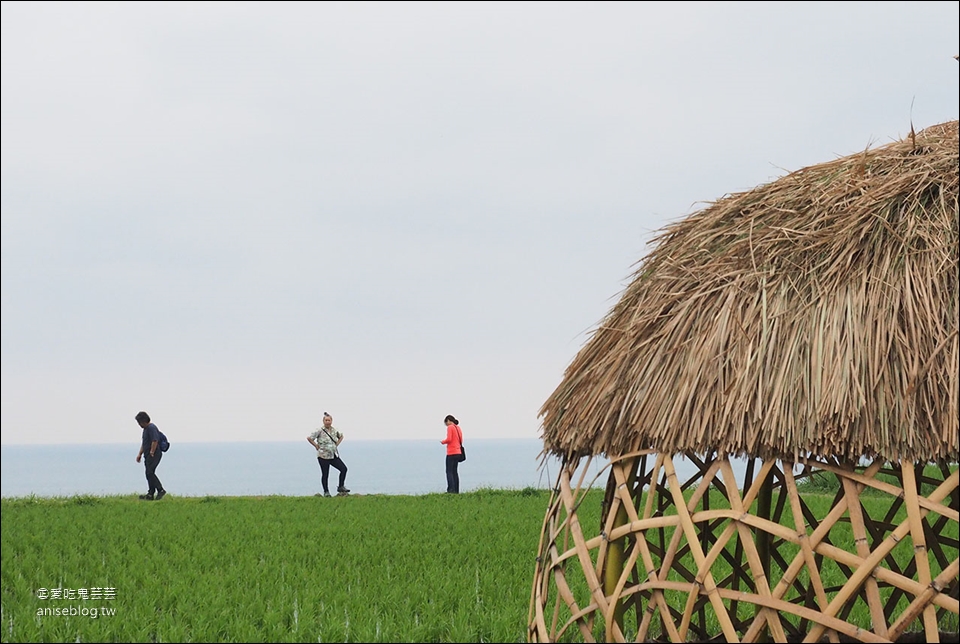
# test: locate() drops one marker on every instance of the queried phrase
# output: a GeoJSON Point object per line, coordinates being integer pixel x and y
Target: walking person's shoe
{"type": "Point", "coordinates": [326, 493]}
{"type": "Point", "coordinates": [342, 491]}
{"type": "Point", "coordinates": [145, 497]}
{"type": "Point", "coordinates": [161, 494]}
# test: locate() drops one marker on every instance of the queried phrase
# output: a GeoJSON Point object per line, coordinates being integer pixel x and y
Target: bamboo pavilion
{"type": "Point", "coordinates": [797, 344]}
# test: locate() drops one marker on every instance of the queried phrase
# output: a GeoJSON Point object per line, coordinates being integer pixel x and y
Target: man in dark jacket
{"type": "Point", "coordinates": [151, 454]}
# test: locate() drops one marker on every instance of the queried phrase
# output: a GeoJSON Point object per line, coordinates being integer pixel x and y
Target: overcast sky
{"type": "Point", "coordinates": [238, 216]}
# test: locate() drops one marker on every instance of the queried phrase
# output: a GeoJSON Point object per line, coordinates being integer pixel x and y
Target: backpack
{"type": "Point", "coordinates": [164, 443]}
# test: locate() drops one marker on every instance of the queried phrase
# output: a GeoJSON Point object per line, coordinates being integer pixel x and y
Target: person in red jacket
{"type": "Point", "coordinates": [454, 443]}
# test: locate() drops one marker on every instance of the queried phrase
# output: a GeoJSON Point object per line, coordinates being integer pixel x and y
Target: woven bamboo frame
{"type": "Point", "coordinates": [752, 560]}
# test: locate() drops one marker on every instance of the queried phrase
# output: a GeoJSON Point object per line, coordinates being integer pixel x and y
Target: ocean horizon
{"type": "Point", "coordinates": [289, 468]}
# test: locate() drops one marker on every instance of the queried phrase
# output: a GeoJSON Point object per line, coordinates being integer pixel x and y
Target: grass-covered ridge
{"type": "Point", "coordinates": [366, 568]}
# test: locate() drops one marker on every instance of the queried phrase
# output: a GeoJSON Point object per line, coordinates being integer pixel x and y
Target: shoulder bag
{"type": "Point", "coordinates": [463, 450]}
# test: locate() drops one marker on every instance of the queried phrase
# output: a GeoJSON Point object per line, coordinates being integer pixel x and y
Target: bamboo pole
{"type": "Point", "coordinates": [855, 512]}
{"type": "Point", "coordinates": [658, 596]}
{"type": "Point", "coordinates": [593, 583]}
{"type": "Point", "coordinates": [824, 621]}
{"type": "Point", "coordinates": [709, 587]}
{"type": "Point", "coordinates": [536, 618]}
{"type": "Point", "coordinates": [923, 601]}
{"type": "Point", "coordinates": [613, 563]}
{"type": "Point", "coordinates": [760, 577]}
{"type": "Point", "coordinates": [763, 537]}
{"type": "Point", "coordinates": [911, 492]}
{"type": "Point", "coordinates": [668, 559]}
{"type": "Point", "coordinates": [805, 548]}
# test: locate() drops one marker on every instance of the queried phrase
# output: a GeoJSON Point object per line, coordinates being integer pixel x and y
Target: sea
{"type": "Point", "coordinates": [403, 467]}
{"type": "Point", "coordinates": [395, 467]}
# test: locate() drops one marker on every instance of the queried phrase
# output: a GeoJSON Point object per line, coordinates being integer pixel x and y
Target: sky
{"type": "Point", "coordinates": [237, 216]}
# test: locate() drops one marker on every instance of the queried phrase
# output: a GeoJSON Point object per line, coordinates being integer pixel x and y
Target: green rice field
{"type": "Point", "coordinates": [431, 568]}
{"type": "Point", "coordinates": [363, 568]}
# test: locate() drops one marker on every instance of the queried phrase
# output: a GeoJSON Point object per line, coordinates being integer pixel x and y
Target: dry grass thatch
{"type": "Point", "coordinates": [816, 314]}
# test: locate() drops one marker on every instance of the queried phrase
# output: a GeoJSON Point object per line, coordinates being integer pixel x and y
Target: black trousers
{"type": "Point", "coordinates": [150, 467]}
{"type": "Point", "coordinates": [453, 478]}
{"type": "Point", "coordinates": [325, 464]}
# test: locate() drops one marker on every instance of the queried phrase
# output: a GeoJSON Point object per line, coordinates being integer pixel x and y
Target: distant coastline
{"type": "Point", "coordinates": [287, 468]}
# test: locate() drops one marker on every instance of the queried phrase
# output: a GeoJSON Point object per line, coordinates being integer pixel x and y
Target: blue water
{"type": "Point", "coordinates": [241, 469]}
{"type": "Point", "coordinates": [288, 468]}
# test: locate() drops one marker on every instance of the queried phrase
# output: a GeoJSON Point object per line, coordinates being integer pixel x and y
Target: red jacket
{"type": "Point", "coordinates": [454, 439]}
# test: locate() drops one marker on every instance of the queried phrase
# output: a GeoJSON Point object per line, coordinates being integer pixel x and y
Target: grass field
{"type": "Point", "coordinates": [365, 568]}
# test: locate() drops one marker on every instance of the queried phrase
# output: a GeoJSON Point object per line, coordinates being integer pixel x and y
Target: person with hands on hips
{"type": "Point", "coordinates": [325, 440]}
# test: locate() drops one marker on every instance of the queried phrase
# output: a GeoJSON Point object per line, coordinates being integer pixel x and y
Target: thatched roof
{"type": "Point", "coordinates": [816, 314]}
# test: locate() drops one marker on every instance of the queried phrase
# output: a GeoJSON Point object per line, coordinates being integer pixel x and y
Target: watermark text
{"type": "Point", "coordinates": [95, 593]}
{"type": "Point", "coordinates": [93, 612]}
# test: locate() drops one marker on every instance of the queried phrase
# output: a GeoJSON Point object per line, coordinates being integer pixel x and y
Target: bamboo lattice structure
{"type": "Point", "coordinates": [680, 560]}
{"type": "Point", "coordinates": [808, 323]}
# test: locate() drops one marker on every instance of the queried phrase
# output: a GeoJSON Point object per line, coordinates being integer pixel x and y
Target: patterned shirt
{"type": "Point", "coordinates": [327, 445]}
